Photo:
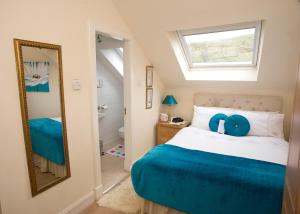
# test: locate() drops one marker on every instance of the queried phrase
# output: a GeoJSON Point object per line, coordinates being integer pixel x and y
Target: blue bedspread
{"type": "Point", "coordinates": [199, 182]}
{"type": "Point", "coordinates": [47, 139]}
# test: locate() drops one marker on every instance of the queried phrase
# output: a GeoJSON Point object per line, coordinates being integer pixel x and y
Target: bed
{"type": "Point", "coordinates": [199, 171]}
{"type": "Point", "coordinates": [47, 145]}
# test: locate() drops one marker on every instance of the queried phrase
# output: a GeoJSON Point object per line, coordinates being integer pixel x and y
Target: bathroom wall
{"type": "Point", "coordinates": [111, 94]}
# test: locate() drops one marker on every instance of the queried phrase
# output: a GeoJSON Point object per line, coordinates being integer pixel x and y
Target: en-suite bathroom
{"type": "Point", "coordinates": [110, 93]}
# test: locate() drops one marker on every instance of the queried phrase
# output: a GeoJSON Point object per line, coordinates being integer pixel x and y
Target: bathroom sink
{"type": "Point", "coordinates": [101, 115]}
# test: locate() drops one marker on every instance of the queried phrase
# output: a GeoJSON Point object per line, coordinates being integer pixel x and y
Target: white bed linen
{"type": "Point", "coordinates": [58, 119]}
{"type": "Point", "coordinates": [268, 149]}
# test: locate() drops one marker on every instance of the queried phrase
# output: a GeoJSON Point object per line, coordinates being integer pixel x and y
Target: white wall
{"type": "Point", "coordinates": [281, 32]}
{"type": "Point", "coordinates": [185, 100]}
{"type": "Point", "coordinates": [280, 52]}
{"type": "Point", "coordinates": [65, 23]}
{"type": "Point", "coordinates": [110, 94]}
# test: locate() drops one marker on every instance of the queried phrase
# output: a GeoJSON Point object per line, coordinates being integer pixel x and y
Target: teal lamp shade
{"type": "Point", "coordinates": [169, 100]}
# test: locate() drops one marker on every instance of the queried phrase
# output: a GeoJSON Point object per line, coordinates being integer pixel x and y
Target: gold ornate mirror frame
{"type": "Point", "coordinates": [18, 44]}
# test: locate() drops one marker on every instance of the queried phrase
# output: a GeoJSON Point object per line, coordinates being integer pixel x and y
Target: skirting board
{"type": "Point", "coordinates": [80, 204]}
{"type": "Point", "coordinates": [98, 192]}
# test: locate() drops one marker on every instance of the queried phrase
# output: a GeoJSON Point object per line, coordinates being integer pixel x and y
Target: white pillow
{"type": "Point", "coordinates": [264, 124]}
{"type": "Point", "coordinates": [202, 115]}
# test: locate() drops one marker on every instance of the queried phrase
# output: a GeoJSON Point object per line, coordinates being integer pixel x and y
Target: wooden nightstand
{"type": "Point", "coordinates": [165, 131]}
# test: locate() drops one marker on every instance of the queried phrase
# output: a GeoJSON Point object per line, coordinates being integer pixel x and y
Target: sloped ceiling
{"type": "Point", "coordinates": [151, 20]}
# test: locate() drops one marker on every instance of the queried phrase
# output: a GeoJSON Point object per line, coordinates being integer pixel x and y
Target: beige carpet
{"type": "Point", "coordinates": [122, 198]}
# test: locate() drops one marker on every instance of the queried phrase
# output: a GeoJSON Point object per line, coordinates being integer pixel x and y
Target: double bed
{"type": "Point", "coordinates": [47, 145]}
{"type": "Point", "coordinates": [200, 171]}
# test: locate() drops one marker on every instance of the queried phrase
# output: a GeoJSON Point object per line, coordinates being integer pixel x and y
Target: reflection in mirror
{"type": "Point", "coordinates": [41, 93]}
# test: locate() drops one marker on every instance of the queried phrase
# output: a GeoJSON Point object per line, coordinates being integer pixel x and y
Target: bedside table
{"type": "Point", "coordinates": [165, 131]}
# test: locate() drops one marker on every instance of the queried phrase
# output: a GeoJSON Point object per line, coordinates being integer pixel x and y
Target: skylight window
{"type": "Point", "coordinates": [119, 51]}
{"type": "Point", "coordinates": [225, 46]}
{"type": "Point", "coordinates": [114, 57]}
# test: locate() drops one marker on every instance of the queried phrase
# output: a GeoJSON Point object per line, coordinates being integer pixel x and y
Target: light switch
{"type": "Point", "coordinates": [76, 84]}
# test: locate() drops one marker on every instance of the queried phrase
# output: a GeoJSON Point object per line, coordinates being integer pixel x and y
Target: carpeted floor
{"type": "Point", "coordinates": [112, 173]}
{"type": "Point", "coordinates": [122, 198]}
{"type": "Point", "coordinates": [95, 209]}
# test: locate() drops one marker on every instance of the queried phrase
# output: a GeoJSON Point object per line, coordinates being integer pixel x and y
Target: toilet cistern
{"type": "Point", "coordinates": [121, 132]}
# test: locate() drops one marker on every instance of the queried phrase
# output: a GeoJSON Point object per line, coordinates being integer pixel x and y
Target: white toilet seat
{"type": "Point", "coordinates": [121, 132]}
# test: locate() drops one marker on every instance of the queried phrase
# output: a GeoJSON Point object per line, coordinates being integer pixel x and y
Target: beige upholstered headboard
{"type": "Point", "coordinates": [245, 102]}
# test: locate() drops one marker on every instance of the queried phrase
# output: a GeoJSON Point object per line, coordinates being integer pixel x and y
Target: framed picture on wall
{"type": "Point", "coordinates": [149, 76]}
{"type": "Point", "coordinates": [149, 96]}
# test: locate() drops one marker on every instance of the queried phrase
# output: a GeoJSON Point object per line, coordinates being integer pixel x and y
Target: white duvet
{"type": "Point", "coordinates": [268, 149]}
{"type": "Point", "coordinates": [58, 119]}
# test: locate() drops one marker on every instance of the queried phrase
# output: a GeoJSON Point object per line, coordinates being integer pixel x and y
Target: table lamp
{"type": "Point", "coordinates": [169, 100]}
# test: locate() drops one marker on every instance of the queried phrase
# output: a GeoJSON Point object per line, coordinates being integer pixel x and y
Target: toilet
{"type": "Point", "coordinates": [121, 132]}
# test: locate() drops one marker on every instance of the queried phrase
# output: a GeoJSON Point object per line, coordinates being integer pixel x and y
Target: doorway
{"type": "Point", "coordinates": [110, 109]}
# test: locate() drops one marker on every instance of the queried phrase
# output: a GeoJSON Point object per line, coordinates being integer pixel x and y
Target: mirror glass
{"type": "Point", "coordinates": [42, 103]}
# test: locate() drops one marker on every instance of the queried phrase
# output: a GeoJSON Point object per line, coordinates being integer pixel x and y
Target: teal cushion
{"type": "Point", "coordinates": [237, 125]}
{"type": "Point", "coordinates": [214, 121]}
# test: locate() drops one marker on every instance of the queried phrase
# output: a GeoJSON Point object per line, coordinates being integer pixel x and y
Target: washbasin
{"type": "Point", "coordinates": [101, 115]}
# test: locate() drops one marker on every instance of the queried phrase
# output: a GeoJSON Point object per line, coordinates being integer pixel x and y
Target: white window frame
{"type": "Point", "coordinates": [119, 51]}
{"type": "Point", "coordinates": [256, 46]}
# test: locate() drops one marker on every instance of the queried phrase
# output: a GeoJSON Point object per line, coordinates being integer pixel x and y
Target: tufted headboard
{"type": "Point", "coordinates": [245, 102]}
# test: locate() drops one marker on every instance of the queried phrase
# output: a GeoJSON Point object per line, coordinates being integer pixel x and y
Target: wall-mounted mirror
{"type": "Point", "coordinates": [39, 67]}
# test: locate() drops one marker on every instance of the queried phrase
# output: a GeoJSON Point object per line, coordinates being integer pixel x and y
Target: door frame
{"type": "Point", "coordinates": [127, 90]}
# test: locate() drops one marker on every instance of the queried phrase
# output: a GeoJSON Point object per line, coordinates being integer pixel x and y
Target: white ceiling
{"type": "Point", "coordinates": [150, 22]}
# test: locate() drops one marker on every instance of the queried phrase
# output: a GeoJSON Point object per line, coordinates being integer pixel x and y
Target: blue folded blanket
{"type": "Point", "coordinates": [47, 139]}
{"type": "Point", "coordinates": [198, 182]}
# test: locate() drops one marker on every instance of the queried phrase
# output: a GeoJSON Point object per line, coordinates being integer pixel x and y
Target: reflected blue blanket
{"type": "Point", "coordinates": [199, 182]}
{"type": "Point", "coordinates": [47, 139]}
